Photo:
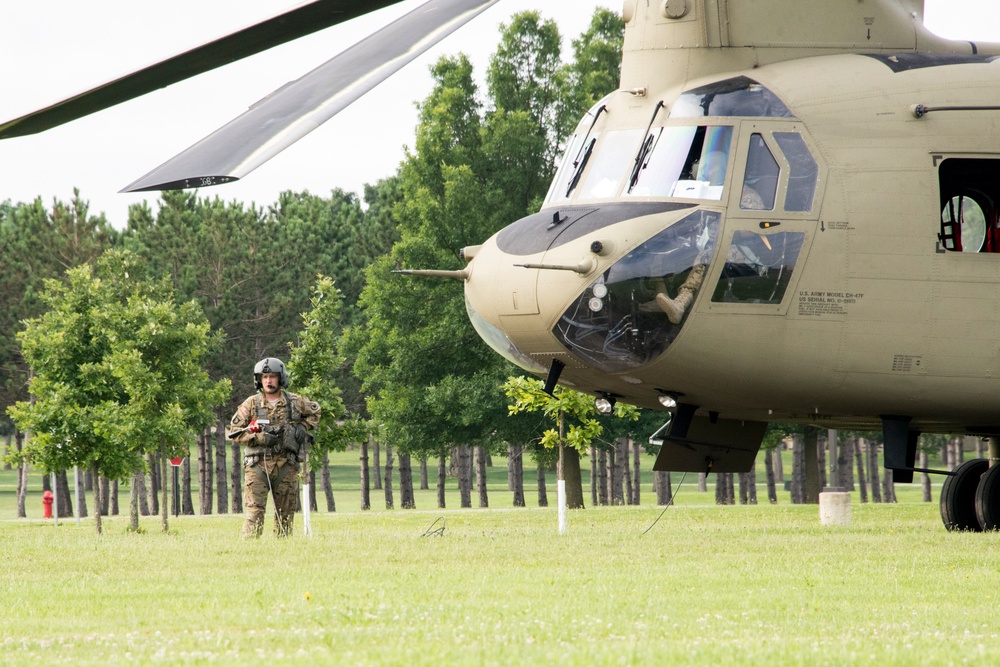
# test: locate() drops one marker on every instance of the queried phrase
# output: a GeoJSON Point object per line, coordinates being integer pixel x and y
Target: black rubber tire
{"type": "Point", "coordinates": [988, 499]}
{"type": "Point", "coordinates": [958, 496]}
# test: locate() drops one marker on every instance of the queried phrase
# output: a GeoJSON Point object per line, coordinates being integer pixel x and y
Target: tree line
{"type": "Point", "coordinates": [309, 278]}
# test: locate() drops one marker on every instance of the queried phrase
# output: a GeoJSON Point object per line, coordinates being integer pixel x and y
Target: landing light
{"type": "Point", "coordinates": [667, 401]}
{"type": "Point", "coordinates": [605, 404]}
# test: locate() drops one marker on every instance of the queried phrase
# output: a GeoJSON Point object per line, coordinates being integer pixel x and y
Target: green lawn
{"type": "Point", "coordinates": [740, 585]}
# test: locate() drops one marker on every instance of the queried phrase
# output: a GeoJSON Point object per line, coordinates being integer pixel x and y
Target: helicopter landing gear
{"type": "Point", "coordinates": [959, 497]}
{"type": "Point", "coordinates": [988, 499]}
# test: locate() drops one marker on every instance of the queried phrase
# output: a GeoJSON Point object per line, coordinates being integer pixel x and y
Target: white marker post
{"type": "Point", "coordinates": [306, 501]}
{"type": "Point", "coordinates": [561, 484]}
{"type": "Point", "coordinates": [561, 500]}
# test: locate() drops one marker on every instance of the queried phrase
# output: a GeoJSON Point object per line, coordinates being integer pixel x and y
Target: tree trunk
{"type": "Point", "coordinates": [613, 468]}
{"type": "Point", "coordinates": [377, 464]}
{"type": "Point", "coordinates": [154, 484]}
{"type": "Point", "coordinates": [627, 471]}
{"type": "Point", "coordinates": [862, 480]}
{"type": "Point", "coordinates": [888, 488]}
{"type": "Point", "coordinates": [779, 465]}
{"type": "Point", "coordinates": [187, 504]}
{"type": "Point", "coordinates": [465, 475]}
{"type": "Point", "coordinates": [845, 469]}
{"type": "Point", "coordinates": [114, 497]}
{"type": "Point", "coordinates": [977, 445]}
{"type": "Point", "coordinates": [925, 479]}
{"type": "Point", "coordinates": [510, 467]}
{"type": "Point", "coordinates": [236, 480]}
{"type": "Point", "coordinates": [65, 497]}
{"type": "Point", "coordinates": [98, 525]}
{"type": "Point", "coordinates": [206, 470]}
{"type": "Point", "coordinates": [602, 477]}
{"type": "Point", "coordinates": [821, 445]}
{"type": "Point", "coordinates": [442, 479]}
{"type": "Point", "coordinates": [772, 489]}
{"type": "Point", "coordinates": [136, 491]}
{"type": "Point", "coordinates": [104, 493]}
{"type": "Point", "coordinates": [484, 500]}
{"type": "Point", "coordinates": [873, 472]}
{"type": "Point", "coordinates": [833, 453]}
{"type": "Point", "coordinates": [798, 488]}
{"type": "Point", "coordinates": [593, 476]}
{"type": "Point", "coordinates": [752, 484]}
{"type": "Point", "coordinates": [616, 478]}
{"type": "Point", "coordinates": [140, 485]}
{"type": "Point", "coordinates": [724, 491]}
{"type": "Point", "coordinates": [574, 481]}
{"type": "Point", "coordinates": [81, 493]}
{"type": "Point", "coordinates": [424, 483]}
{"type": "Point", "coordinates": [661, 482]}
{"type": "Point", "coordinates": [959, 455]}
{"type": "Point", "coordinates": [313, 505]}
{"type": "Point", "coordinates": [389, 503]}
{"type": "Point", "coordinates": [811, 451]}
{"type": "Point", "coordinates": [516, 473]}
{"type": "Point", "coordinates": [365, 485]}
{"type": "Point", "coordinates": [222, 483]}
{"type": "Point", "coordinates": [6, 451]}
{"type": "Point", "coordinates": [406, 498]}
{"type": "Point", "coordinates": [164, 506]}
{"type": "Point", "coordinates": [543, 496]}
{"type": "Point", "coordinates": [22, 476]}
{"type": "Point", "coordinates": [331, 504]}
{"type": "Point", "coordinates": [636, 476]}
{"type": "Point", "coordinates": [702, 482]}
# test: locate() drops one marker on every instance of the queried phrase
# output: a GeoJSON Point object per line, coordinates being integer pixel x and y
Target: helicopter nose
{"type": "Point", "coordinates": [557, 283]}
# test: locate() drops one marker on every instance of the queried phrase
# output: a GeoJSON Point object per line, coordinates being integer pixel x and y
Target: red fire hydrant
{"type": "Point", "coordinates": [47, 499]}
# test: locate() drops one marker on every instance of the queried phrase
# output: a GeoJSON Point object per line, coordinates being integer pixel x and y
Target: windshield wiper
{"type": "Point", "coordinates": [645, 150]}
{"type": "Point", "coordinates": [580, 163]}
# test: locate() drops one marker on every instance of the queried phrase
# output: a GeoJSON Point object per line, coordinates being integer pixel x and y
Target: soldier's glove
{"type": "Point", "coordinates": [268, 436]}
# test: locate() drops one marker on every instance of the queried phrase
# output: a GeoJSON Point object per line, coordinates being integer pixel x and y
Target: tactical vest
{"type": "Point", "coordinates": [291, 435]}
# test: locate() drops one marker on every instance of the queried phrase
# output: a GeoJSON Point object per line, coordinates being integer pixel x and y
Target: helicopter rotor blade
{"type": "Point", "coordinates": [302, 105]}
{"type": "Point", "coordinates": [302, 20]}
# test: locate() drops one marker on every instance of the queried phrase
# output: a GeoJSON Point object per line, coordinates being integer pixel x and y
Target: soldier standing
{"type": "Point", "coordinates": [272, 426]}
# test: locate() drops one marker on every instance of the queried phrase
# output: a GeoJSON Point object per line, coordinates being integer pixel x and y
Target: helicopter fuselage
{"type": "Point", "coordinates": [836, 247]}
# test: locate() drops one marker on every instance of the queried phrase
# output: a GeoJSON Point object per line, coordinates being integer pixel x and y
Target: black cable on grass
{"type": "Point", "coordinates": [669, 503]}
{"type": "Point", "coordinates": [435, 531]}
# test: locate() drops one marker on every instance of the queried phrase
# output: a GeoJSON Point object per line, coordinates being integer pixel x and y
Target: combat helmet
{"type": "Point", "coordinates": [270, 365]}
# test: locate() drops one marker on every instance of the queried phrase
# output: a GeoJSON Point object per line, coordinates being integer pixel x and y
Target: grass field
{"type": "Point", "coordinates": [739, 585]}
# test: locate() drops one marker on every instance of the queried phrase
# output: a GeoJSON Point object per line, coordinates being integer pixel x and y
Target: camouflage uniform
{"type": "Point", "coordinates": [269, 462]}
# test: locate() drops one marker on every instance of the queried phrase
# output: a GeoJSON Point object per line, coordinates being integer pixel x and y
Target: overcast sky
{"type": "Point", "coordinates": [51, 49]}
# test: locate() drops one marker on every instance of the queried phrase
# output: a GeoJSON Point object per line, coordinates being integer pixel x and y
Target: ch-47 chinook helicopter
{"type": "Point", "coordinates": [787, 212]}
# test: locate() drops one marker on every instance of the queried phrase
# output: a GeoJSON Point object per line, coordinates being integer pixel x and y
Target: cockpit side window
{"type": "Point", "coordinates": [970, 217]}
{"type": "Point", "coordinates": [760, 181]}
{"type": "Point", "coordinates": [758, 267]}
{"type": "Point", "coordinates": [803, 171]}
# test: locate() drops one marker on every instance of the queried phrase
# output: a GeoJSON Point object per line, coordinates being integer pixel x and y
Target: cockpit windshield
{"type": "Point", "coordinates": [579, 150]}
{"type": "Point", "coordinates": [683, 161]}
{"type": "Point", "coordinates": [636, 308]}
